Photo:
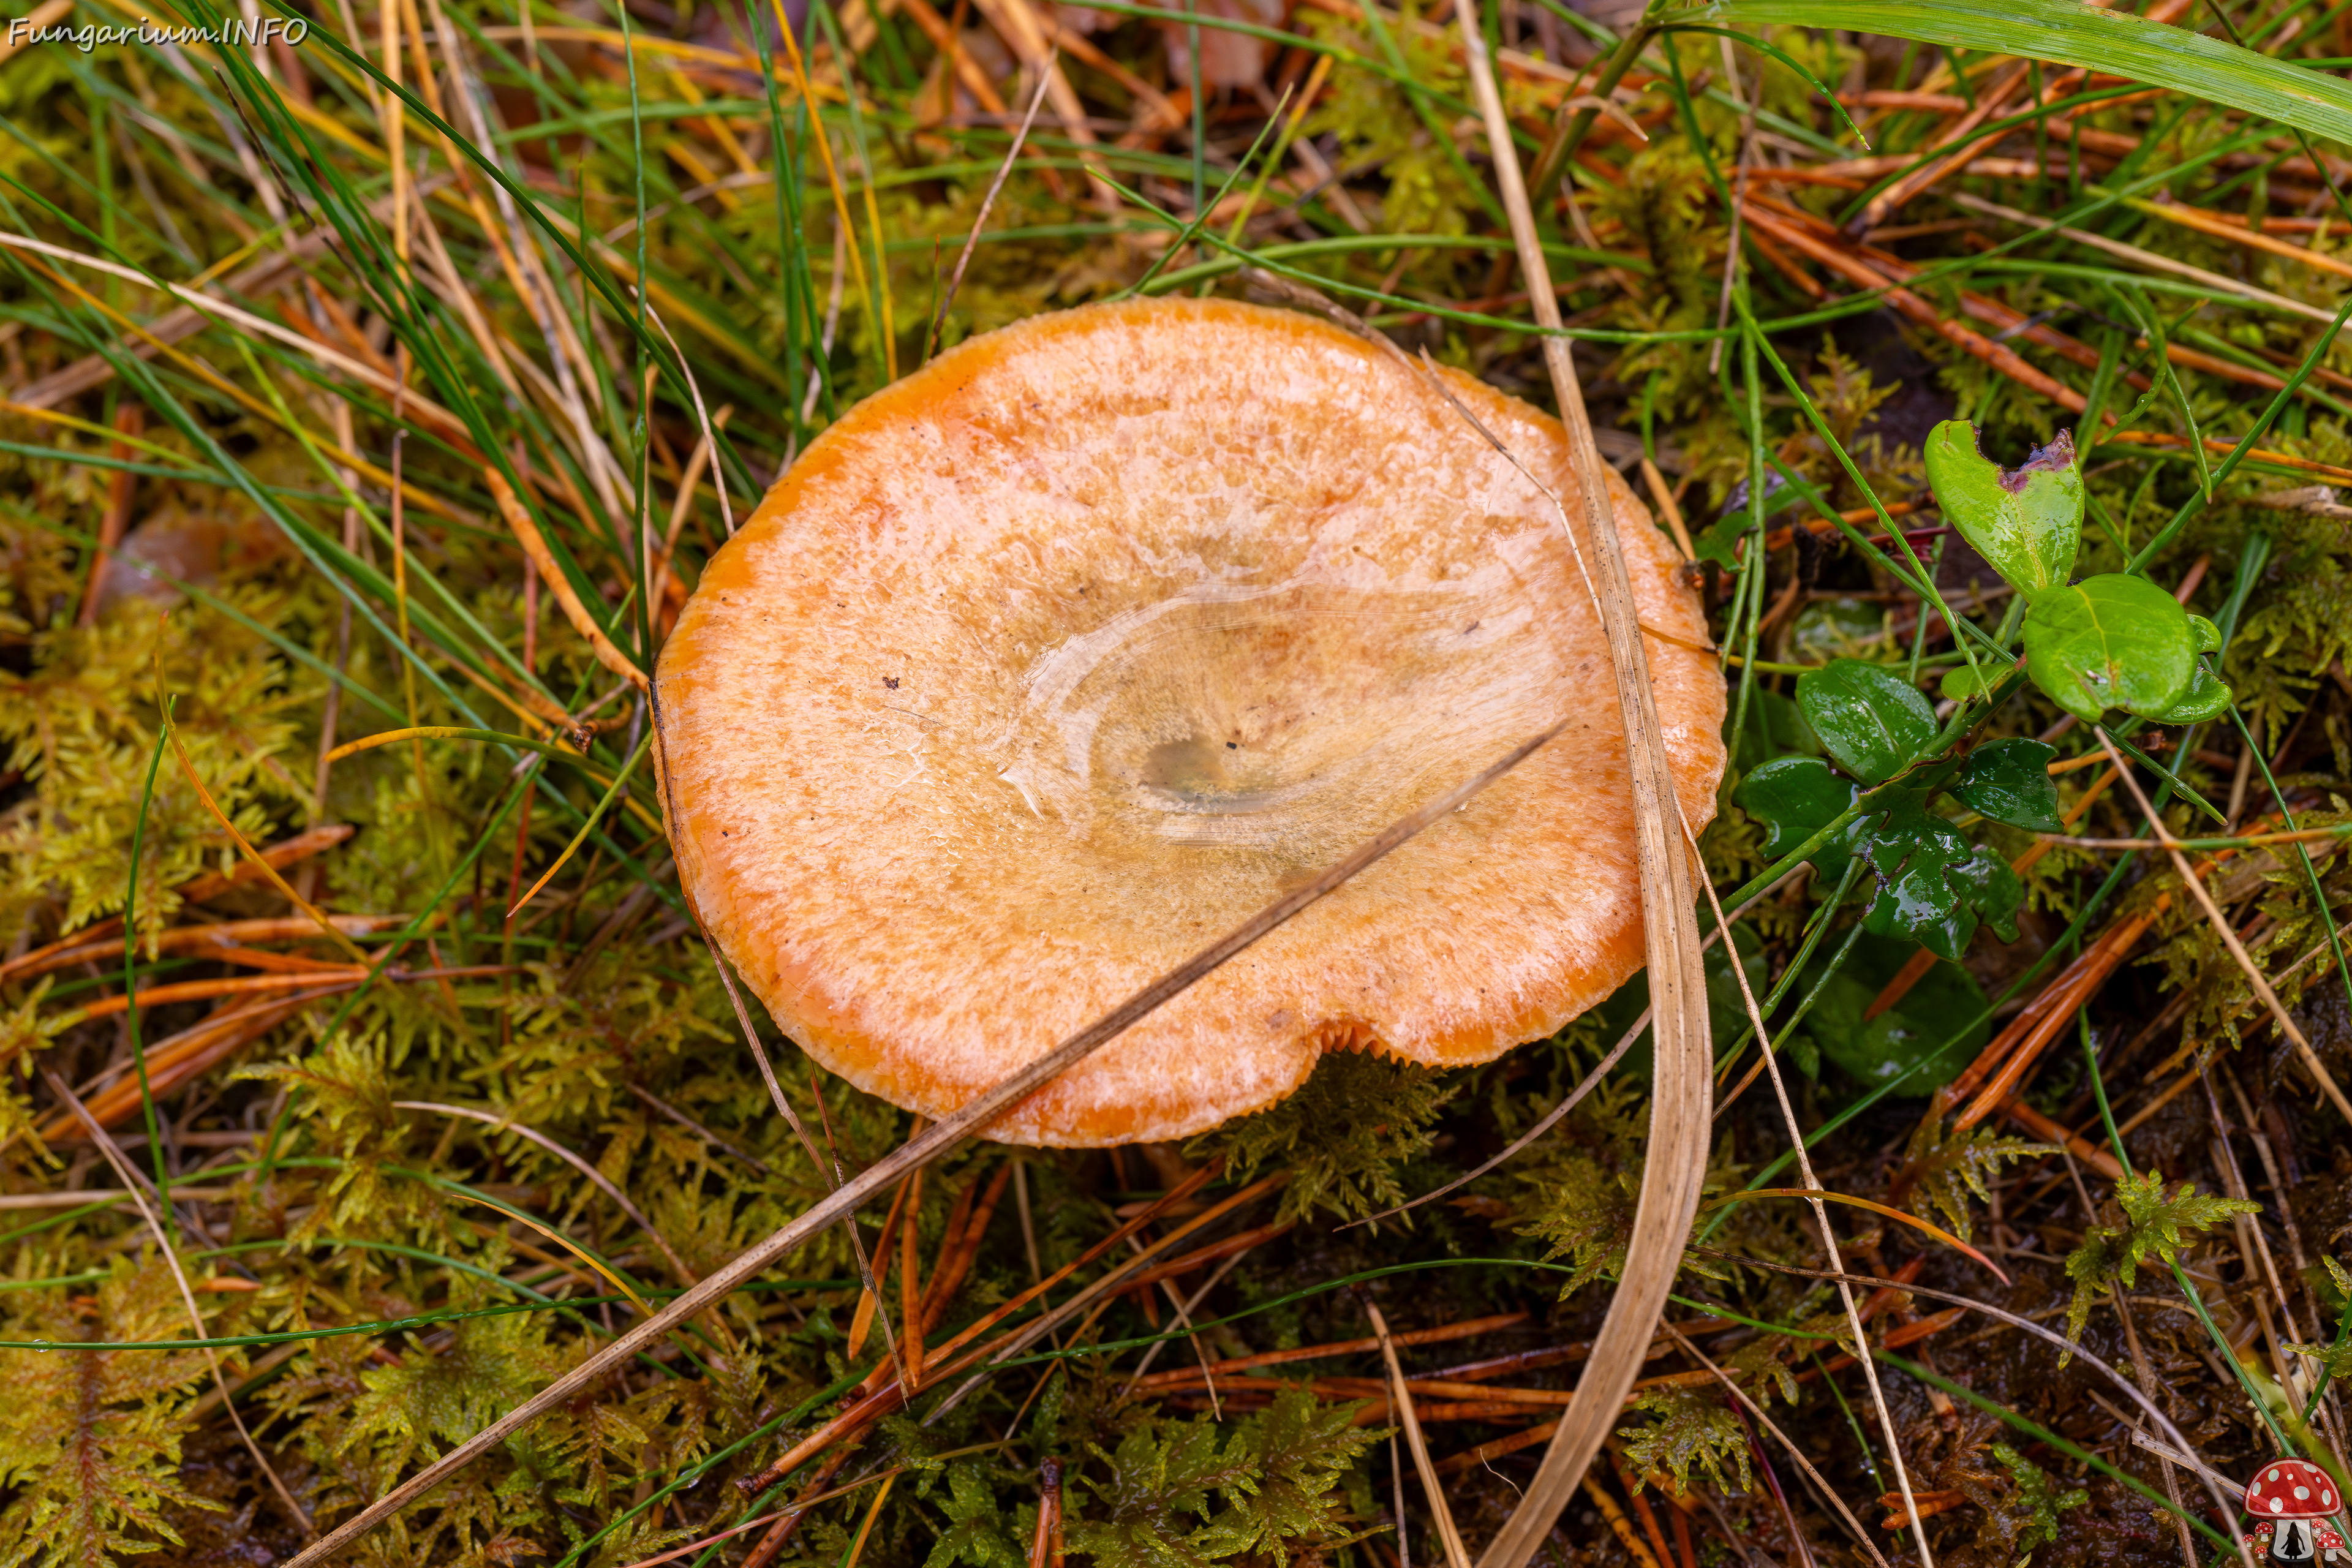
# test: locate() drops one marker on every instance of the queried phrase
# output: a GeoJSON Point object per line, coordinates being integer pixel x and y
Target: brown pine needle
{"type": "Point", "coordinates": [260, 862]}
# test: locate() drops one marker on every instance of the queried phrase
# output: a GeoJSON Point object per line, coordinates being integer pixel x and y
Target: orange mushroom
{"type": "Point", "coordinates": [1073, 650]}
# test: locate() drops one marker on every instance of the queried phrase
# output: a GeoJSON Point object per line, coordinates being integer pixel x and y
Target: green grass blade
{"type": "Point", "coordinates": [2113, 41]}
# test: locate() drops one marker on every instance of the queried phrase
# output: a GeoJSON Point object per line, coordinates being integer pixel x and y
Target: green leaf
{"type": "Point", "coordinates": [1934, 885]}
{"type": "Point", "coordinates": [1872, 720]}
{"type": "Point", "coordinates": [1794, 798]}
{"type": "Point", "coordinates": [2009, 781]}
{"type": "Point", "coordinates": [1942, 1021]}
{"type": "Point", "coordinates": [2111, 41]}
{"type": "Point", "coordinates": [2206, 697]}
{"type": "Point", "coordinates": [2026, 522]}
{"type": "Point", "coordinates": [2209, 636]}
{"type": "Point", "coordinates": [1719, 540]}
{"type": "Point", "coordinates": [2110, 641]}
{"type": "Point", "coordinates": [1961, 683]}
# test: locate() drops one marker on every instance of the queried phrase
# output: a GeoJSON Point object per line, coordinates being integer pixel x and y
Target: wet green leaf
{"type": "Point", "coordinates": [1872, 720]}
{"type": "Point", "coordinates": [2206, 697]}
{"type": "Point", "coordinates": [1934, 885]}
{"type": "Point", "coordinates": [2110, 641]}
{"type": "Point", "coordinates": [1942, 1020]}
{"type": "Point", "coordinates": [1719, 541]}
{"type": "Point", "coordinates": [2027, 521]}
{"type": "Point", "coordinates": [1794, 798]}
{"type": "Point", "coordinates": [2009, 781]}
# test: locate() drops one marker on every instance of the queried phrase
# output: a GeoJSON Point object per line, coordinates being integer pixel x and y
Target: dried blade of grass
{"type": "Point", "coordinates": [910, 1291]}
{"type": "Point", "coordinates": [1400, 1401]}
{"type": "Point", "coordinates": [1019, 28]}
{"type": "Point", "coordinates": [137, 1187]}
{"type": "Point", "coordinates": [987, 203]}
{"type": "Point", "coordinates": [823, 140]}
{"type": "Point", "coordinates": [1661, 493]}
{"type": "Point", "coordinates": [943, 1135]}
{"type": "Point", "coordinates": [1829, 1236]}
{"type": "Point", "coordinates": [1756, 1410]}
{"type": "Point", "coordinates": [255, 858]}
{"type": "Point", "coordinates": [208, 306]}
{"type": "Point", "coordinates": [596, 815]}
{"type": "Point", "coordinates": [527, 534]}
{"type": "Point", "coordinates": [1184, 1322]}
{"type": "Point", "coordinates": [832, 1174]}
{"type": "Point", "coordinates": [2224, 287]}
{"type": "Point", "coordinates": [708, 423]}
{"type": "Point", "coordinates": [2196, 886]}
{"type": "Point", "coordinates": [857, 1547]}
{"type": "Point", "coordinates": [1191, 1304]}
{"type": "Point", "coordinates": [602, 1182]}
{"type": "Point", "coordinates": [1676, 1163]}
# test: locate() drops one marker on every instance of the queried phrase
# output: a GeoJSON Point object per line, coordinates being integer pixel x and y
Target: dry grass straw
{"type": "Point", "coordinates": [1771, 1062]}
{"type": "Point", "coordinates": [1676, 1163]}
{"type": "Point", "coordinates": [1756, 1412]}
{"type": "Point", "coordinates": [1401, 1402]}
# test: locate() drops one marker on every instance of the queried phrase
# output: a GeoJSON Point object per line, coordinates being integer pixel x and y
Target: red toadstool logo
{"type": "Point", "coordinates": [2290, 1489]}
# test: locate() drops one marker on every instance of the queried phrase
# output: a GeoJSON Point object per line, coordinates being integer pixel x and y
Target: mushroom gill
{"type": "Point", "coordinates": [1062, 656]}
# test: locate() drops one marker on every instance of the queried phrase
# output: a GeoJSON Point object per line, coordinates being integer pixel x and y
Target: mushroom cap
{"type": "Point", "coordinates": [1054, 661]}
{"type": "Point", "coordinates": [2290, 1489]}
